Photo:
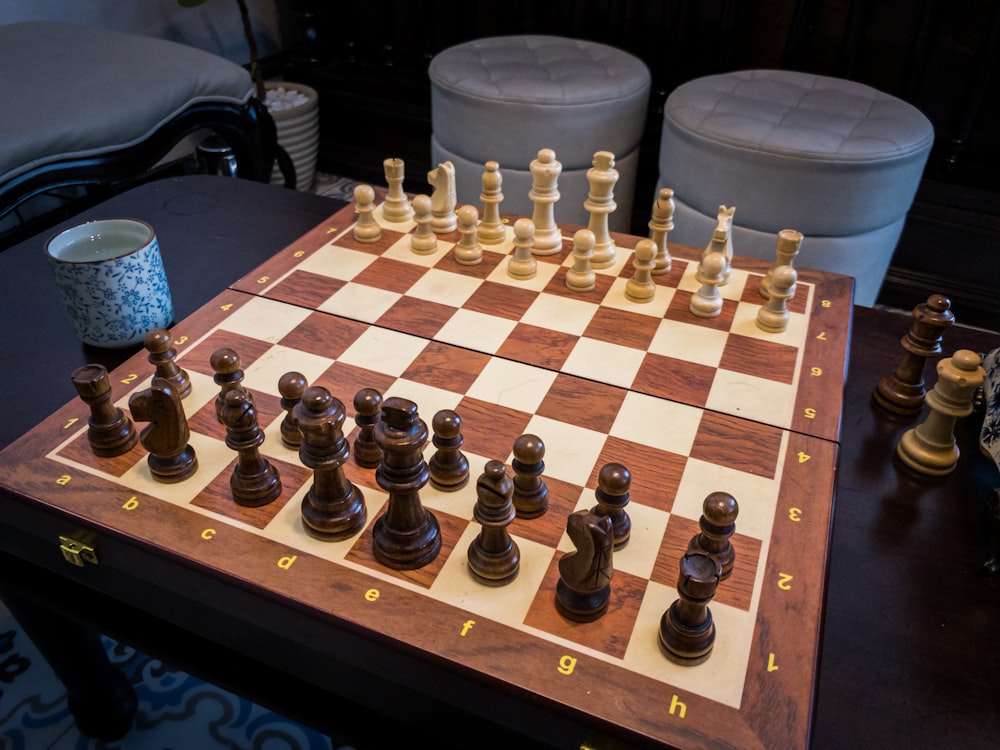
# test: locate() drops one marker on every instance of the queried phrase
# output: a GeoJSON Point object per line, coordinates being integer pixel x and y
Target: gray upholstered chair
{"type": "Point", "coordinates": [94, 107]}
{"type": "Point", "coordinates": [836, 160]}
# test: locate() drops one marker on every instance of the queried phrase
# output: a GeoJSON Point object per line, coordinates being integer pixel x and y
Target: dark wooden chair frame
{"type": "Point", "coordinates": [247, 129]}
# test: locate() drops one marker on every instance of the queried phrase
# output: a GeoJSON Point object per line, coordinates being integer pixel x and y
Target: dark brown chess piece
{"type": "Point", "coordinates": [254, 481]}
{"type": "Point", "coordinates": [718, 524]}
{"type": "Point", "coordinates": [531, 495]}
{"type": "Point", "coordinates": [171, 459]}
{"type": "Point", "coordinates": [161, 356]}
{"type": "Point", "coordinates": [228, 376]}
{"type": "Point", "coordinates": [291, 386]}
{"type": "Point", "coordinates": [109, 430]}
{"type": "Point", "coordinates": [494, 558]}
{"type": "Point", "coordinates": [613, 483]}
{"type": "Point", "coordinates": [367, 406]}
{"type": "Point", "coordinates": [449, 468]}
{"type": "Point", "coordinates": [584, 587]}
{"type": "Point", "coordinates": [407, 535]}
{"type": "Point", "coordinates": [903, 391]}
{"type": "Point", "coordinates": [687, 631]}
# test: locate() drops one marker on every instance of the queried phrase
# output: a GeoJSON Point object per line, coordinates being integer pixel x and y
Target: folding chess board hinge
{"type": "Point", "coordinates": [76, 552]}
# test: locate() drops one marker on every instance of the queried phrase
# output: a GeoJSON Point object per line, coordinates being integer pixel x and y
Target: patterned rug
{"type": "Point", "coordinates": [176, 711]}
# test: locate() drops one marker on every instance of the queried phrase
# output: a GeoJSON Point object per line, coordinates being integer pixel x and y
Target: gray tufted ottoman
{"type": "Point", "coordinates": [505, 98]}
{"type": "Point", "coordinates": [836, 160]}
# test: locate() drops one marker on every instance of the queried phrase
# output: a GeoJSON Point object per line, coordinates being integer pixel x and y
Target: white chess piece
{"type": "Point", "coordinates": [395, 207]}
{"type": "Point", "coordinates": [581, 277]}
{"type": "Point", "coordinates": [641, 287]}
{"type": "Point", "coordinates": [366, 229]}
{"type": "Point", "coordinates": [789, 241]}
{"type": "Point", "coordinates": [660, 225]}
{"type": "Point", "coordinates": [468, 251]}
{"type": "Point", "coordinates": [491, 229]}
{"type": "Point", "coordinates": [443, 197]}
{"type": "Point", "coordinates": [522, 264]}
{"type": "Point", "coordinates": [423, 241]}
{"type": "Point", "coordinates": [601, 204]}
{"type": "Point", "coordinates": [544, 193]}
{"type": "Point", "coordinates": [773, 315]}
{"type": "Point", "coordinates": [707, 302]}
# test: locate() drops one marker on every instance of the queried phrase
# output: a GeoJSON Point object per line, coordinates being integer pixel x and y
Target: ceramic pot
{"type": "Point", "coordinates": [298, 134]}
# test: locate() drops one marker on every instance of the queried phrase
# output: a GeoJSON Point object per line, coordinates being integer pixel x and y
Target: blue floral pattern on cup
{"type": "Point", "coordinates": [114, 303]}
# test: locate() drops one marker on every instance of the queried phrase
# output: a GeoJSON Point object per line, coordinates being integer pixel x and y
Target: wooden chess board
{"type": "Point", "coordinates": [689, 405]}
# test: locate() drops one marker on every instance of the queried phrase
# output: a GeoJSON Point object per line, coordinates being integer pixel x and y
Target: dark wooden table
{"type": "Point", "coordinates": [910, 656]}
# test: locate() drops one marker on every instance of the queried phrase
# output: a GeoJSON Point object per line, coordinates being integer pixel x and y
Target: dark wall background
{"type": "Point", "coordinates": [369, 62]}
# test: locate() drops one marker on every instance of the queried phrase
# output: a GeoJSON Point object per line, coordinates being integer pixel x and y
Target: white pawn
{"type": "Point", "coordinates": [468, 251]}
{"type": "Point", "coordinates": [930, 447]}
{"type": "Point", "coordinates": [443, 198]}
{"type": "Point", "coordinates": [660, 225]}
{"type": "Point", "coordinates": [491, 229]}
{"type": "Point", "coordinates": [395, 207]}
{"type": "Point", "coordinates": [366, 229]}
{"type": "Point", "coordinates": [522, 264]}
{"type": "Point", "coordinates": [773, 315]}
{"type": "Point", "coordinates": [544, 193]}
{"type": "Point", "coordinates": [581, 277]}
{"type": "Point", "coordinates": [785, 251]}
{"type": "Point", "coordinates": [423, 241]}
{"type": "Point", "coordinates": [601, 204]}
{"type": "Point", "coordinates": [707, 302]}
{"type": "Point", "coordinates": [641, 288]}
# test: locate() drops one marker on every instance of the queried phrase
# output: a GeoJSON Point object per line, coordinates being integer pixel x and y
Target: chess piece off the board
{"type": "Point", "coordinates": [333, 509]}
{"type": "Point", "coordinates": [407, 535]}
{"type": "Point", "coordinates": [687, 629]}
{"type": "Point", "coordinates": [930, 448]}
{"type": "Point", "coordinates": [255, 481]}
{"type": "Point", "coordinates": [718, 524]}
{"type": "Point", "coordinates": [449, 468]}
{"type": "Point", "coordinates": [494, 558]}
{"type": "Point", "coordinates": [614, 482]}
{"type": "Point", "coordinates": [584, 587]}
{"type": "Point", "coordinates": [109, 429]}
{"type": "Point", "coordinates": [171, 458]}
{"type": "Point", "coordinates": [162, 356]}
{"type": "Point", "coordinates": [903, 392]}
{"type": "Point", "coordinates": [531, 495]}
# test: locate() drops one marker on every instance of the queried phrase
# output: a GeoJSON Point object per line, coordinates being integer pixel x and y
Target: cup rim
{"type": "Point", "coordinates": [150, 236]}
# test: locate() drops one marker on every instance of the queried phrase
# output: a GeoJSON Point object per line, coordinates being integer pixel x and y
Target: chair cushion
{"type": "Point", "coordinates": [823, 155]}
{"type": "Point", "coordinates": [504, 98]}
{"type": "Point", "coordinates": [76, 90]}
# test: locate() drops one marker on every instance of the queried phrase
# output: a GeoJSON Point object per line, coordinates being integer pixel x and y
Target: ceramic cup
{"type": "Point", "coordinates": [111, 278]}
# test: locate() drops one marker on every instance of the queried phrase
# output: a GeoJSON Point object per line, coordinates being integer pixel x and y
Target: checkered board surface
{"type": "Point", "coordinates": [756, 688]}
{"type": "Point", "coordinates": [791, 379]}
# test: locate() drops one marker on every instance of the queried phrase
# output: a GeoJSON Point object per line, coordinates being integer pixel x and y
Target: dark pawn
{"type": "Point", "coordinates": [903, 391]}
{"type": "Point", "coordinates": [494, 558]}
{"type": "Point", "coordinates": [161, 356]}
{"type": "Point", "coordinates": [367, 405]}
{"type": "Point", "coordinates": [449, 468]}
{"type": "Point", "coordinates": [718, 524]}
{"type": "Point", "coordinates": [110, 431]}
{"type": "Point", "coordinates": [228, 376]}
{"type": "Point", "coordinates": [613, 483]}
{"type": "Point", "coordinates": [687, 631]}
{"type": "Point", "coordinates": [254, 481]}
{"type": "Point", "coordinates": [291, 386]}
{"type": "Point", "coordinates": [407, 535]}
{"type": "Point", "coordinates": [531, 496]}
{"type": "Point", "coordinates": [171, 459]}
{"type": "Point", "coordinates": [333, 508]}
{"type": "Point", "coordinates": [584, 587]}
